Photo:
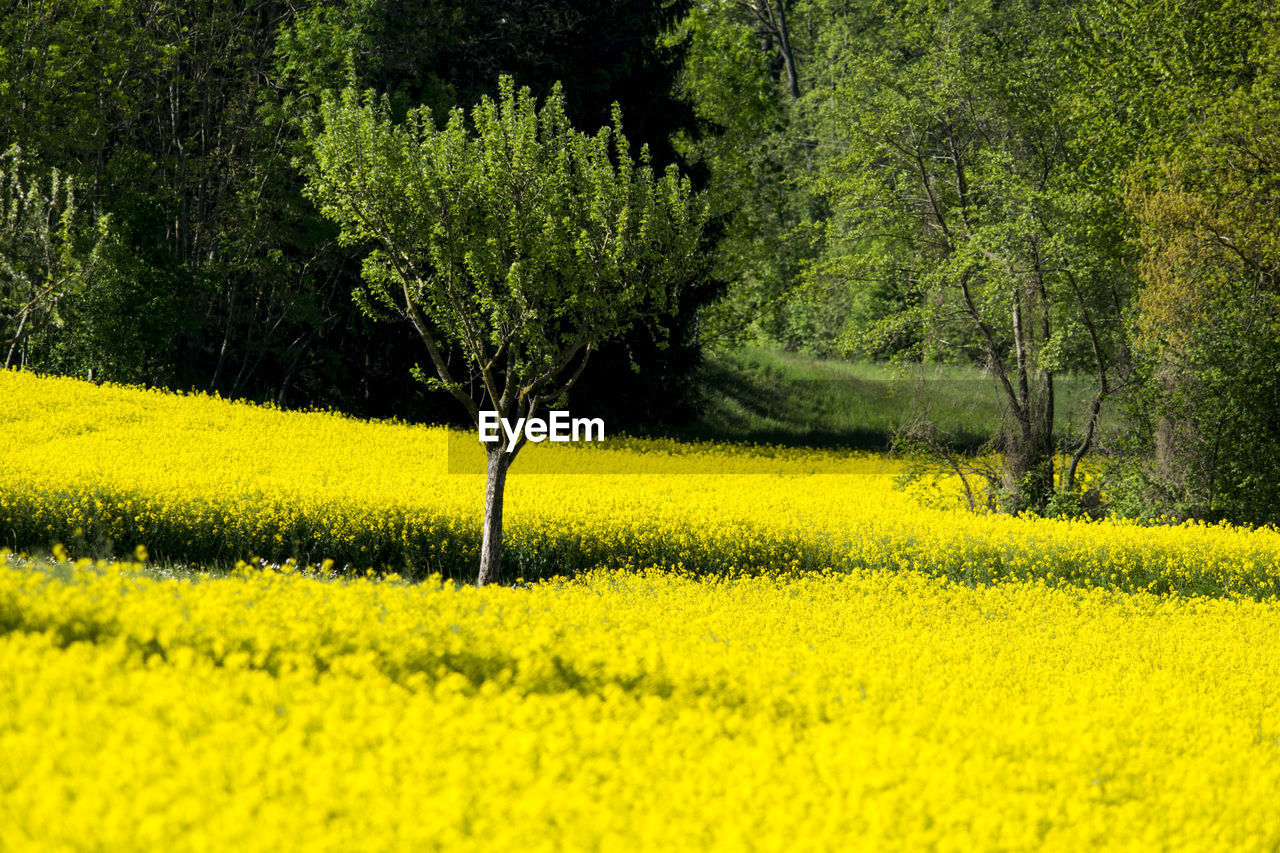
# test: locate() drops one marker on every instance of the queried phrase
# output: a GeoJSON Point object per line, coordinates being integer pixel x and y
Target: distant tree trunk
{"type": "Point", "coordinates": [491, 543]}
{"type": "Point", "coordinates": [788, 56]}
{"type": "Point", "coordinates": [771, 24]}
{"type": "Point", "coordinates": [1028, 466]}
{"type": "Point", "coordinates": [17, 339]}
{"type": "Point", "coordinates": [1029, 460]}
{"type": "Point", "coordinates": [1104, 387]}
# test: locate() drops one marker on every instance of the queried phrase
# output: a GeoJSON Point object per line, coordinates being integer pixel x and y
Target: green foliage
{"type": "Point", "coordinates": [153, 109]}
{"type": "Point", "coordinates": [440, 55]}
{"type": "Point", "coordinates": [1190, 134]}
{"type": "Point", "coordinates": [750, 141]}
{"type": "Point", "coordinates": [519, 240]}
{"type": "Point", "coordinates": [1208, 320]}
{"type": "Point", "coordinates": [48, 253]}
{"type": "Point", "coordinates": [182, 122]}
{"type": "Point", "coordinates": [959, 216]}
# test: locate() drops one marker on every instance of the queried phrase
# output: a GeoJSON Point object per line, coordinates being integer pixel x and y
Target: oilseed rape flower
{"type": "Point", "coordinates": [199, 480]}
{"type": "Point", "coordinates": [759, 648]}
{"type": "Point", "coordinates": [633, 709]}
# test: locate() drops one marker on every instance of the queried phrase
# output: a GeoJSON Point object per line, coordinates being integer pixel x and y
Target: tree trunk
{"type": "Point", "coordinates": [1029, 456]}
{"type": "Point", "coordinates": [784, 47]}
{"type": "Point", "coordinates": [17, 339]}
{"type": "Point", "coordinates": [491, 543]}
{"type": "Point", "coordinates": [772, 24]}
{"type": "Point", "coordinates": [1028, 476]}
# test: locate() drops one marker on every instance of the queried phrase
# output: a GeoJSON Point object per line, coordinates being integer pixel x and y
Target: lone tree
{"type": "Point", "coordinates": [515, 242]}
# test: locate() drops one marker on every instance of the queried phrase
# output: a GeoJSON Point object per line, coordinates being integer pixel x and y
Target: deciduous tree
{"type": "Point", "coordinates": [513, 239]}
{"type": "Point", "coordinates": [956, 189]}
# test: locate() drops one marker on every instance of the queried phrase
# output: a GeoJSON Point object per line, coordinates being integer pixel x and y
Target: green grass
{"type": "Point", "coordinates": [767, 396]}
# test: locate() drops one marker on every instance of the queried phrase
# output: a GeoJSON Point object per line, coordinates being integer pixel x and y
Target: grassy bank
{"type": "Point", "coordinates": [773, 397]}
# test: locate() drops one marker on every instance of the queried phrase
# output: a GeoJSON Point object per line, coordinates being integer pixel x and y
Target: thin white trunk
{"type": "Point", "coordinates": [491, 543]}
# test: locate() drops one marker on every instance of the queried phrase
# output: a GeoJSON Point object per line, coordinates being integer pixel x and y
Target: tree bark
{"type": "Point", "coordinates": [17, 339]}
{"type": "Point", "coordinates": [784, 47]}
{"type": "Point", "coordinates": [771, 22]}
{"type": "Point", "coordinates": [491, 542]}
{"type": "Point", "coordinates": [1095, 409]}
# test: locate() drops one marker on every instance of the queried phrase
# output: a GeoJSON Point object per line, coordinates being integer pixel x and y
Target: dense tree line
{"type": "Point", "coordinates": [1033, 186]}
{"type": "Point", "coordinates": [153, 190]}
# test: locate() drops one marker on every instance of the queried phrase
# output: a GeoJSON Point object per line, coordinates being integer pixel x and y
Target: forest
{"type": "Point", "coordinates": [1053, 195]}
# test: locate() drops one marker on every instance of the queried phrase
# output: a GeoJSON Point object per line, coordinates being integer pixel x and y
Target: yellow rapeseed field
{"type": "Point", "coordinates": [201, 480]}
{"type": "Point", "coordinates": [757, 649]}
{"type": "Point", "coordinates": [630, 711]}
